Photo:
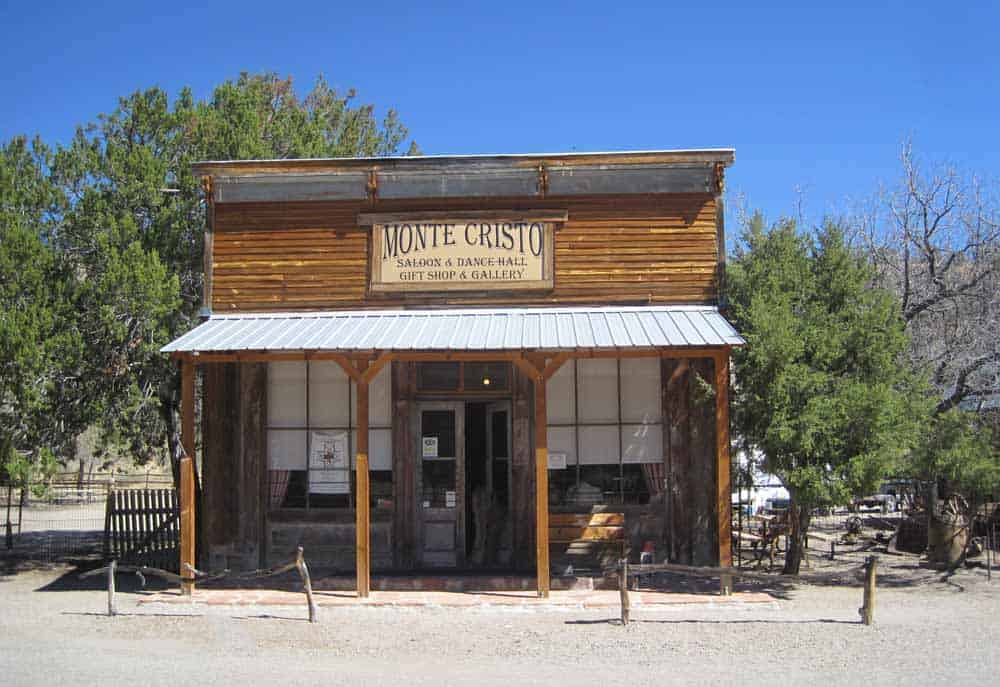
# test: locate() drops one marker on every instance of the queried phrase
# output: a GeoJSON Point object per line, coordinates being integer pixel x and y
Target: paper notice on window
{"type": "Point", "coordinates": [329, 464]}
{"type": "Point", "coordinates": [557, 461]}
{"type": "Point", "coordinates": [430, 447]}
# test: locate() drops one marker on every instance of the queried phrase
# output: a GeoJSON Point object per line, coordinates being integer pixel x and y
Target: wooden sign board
{"type": "Point", "coordinates": [462, 253]}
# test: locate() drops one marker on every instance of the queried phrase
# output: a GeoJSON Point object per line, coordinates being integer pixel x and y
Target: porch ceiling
{"type": "Point", "coordinates": [496, 329]}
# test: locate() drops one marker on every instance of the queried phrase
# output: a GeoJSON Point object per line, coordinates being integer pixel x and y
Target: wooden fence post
{"type": "Point", "coordinates": [623, 586]}
{"type": "Point", "coordinates": [112, 610]}
{"type": "Point", "coordinates": [868, 609]}
{"type": "Point", "coordinates": [300, 563]}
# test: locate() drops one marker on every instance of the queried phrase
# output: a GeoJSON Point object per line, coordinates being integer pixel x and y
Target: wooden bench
{"type": "Point", "coordinates": [586, 541]}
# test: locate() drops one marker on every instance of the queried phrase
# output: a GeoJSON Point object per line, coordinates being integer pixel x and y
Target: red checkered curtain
{"type": "Point", "coordinates": [654, 473]}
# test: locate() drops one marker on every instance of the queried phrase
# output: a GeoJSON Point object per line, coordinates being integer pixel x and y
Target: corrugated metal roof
{"type": "Point", "coordinates": [462, 330]}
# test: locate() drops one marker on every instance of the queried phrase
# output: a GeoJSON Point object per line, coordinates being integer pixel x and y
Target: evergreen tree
{"type": "Point", "coordinates": [133, 229]}
{"type": "Point", "coordinates": [34, 340]}
{"type": "Point", "coordinates": [822, 388]}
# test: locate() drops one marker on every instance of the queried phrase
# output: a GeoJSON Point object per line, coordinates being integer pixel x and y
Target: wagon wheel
{"type": "Point", "coordinates": [853, 525]}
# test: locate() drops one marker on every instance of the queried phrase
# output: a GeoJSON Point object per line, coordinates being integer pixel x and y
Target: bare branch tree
{"type": "Point", "coordinates": [935, 238]}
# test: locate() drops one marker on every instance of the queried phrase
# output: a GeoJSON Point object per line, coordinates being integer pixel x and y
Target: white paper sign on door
{"type": "Point", "coordinates": [430, 447]}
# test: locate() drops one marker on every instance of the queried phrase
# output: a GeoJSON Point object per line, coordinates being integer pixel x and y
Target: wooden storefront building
{"type": "Point", "coordinates": [456, 364]}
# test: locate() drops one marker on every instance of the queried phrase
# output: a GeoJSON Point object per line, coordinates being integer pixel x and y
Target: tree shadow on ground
{"type": "Point", "coordinates": [692, 621]}
{"type": "Point", "coordinates": [70, 580]}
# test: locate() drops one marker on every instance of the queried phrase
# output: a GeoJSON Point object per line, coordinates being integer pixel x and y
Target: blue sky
{"type": "Point", "coordinates": [811, 98]}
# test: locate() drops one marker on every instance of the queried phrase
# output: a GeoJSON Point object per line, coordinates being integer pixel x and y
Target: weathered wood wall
{"type": "Point", "coordinates": [522, 471]}
{"type": "Point", "coordinates": [613, 249]}
{"type": "Point", "coordinates": [404, 465]}
{"type": "Point", "coordinates": [689, 452]}
{"type": "Point", "coordinates": [233, 460]}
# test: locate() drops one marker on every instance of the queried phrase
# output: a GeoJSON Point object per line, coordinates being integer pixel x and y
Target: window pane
{"type": "Point", "coordinates": [642, 443]}
{"type": "Point", "coordinates": [486, 376]}
{"type": "Point", "coordinates": [437, 376]}
{"type": "Point", "coordinates": [438, 478]}
{"type": "Point", "coordinates": [599, 484]}
{"type": "Point", "coordinates": [380, 449]}
{"type": "Point", "coordinates": [599, 446]}
{"type": "Point", "coordinates": [635, 485]}
{"type": "Point", "coordinates": [328, 395]}
{"type": "Point", "coordinates": [380, 486]}
{"type": "Point", "coordinates": [440, 424]}
{"type": "Point", "coordinates": [329, 463]}
{"type": "Point", "coordinates": [559, 401]}
{"type": "Point", "coordinates": [562, 440]}
{"type": "Point", "coordinates": [562, 483]}
{"type": "Point", "coordinates": [380, 398]}
{"type": "Point", "coordinates": [286, 449]}
{"type": "Point", "coordinates": [286, 394]}
{"type": "Point", "coordinates": [641, 390]}
{"type": "Point", "coordinates": [597, 381]}
{"type": "Point", "coordinates": [286, 489]}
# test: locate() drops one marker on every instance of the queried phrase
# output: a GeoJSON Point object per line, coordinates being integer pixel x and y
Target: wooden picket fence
{"type": "Point", "coordinates": [142, 527]}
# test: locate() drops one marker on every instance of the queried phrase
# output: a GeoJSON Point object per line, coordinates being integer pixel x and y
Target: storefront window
{"type": "Point", "coordinates": [605, 433]}
{"type": "Point", "coordinates": [312, 437]}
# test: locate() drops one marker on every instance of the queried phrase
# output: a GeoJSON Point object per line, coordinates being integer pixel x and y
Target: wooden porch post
{"type": "Point", "coordinates": [540, 372]}
{"type": "Point", "coordinates": [363, 501]}
{"type": "Point", "coordinates": [187, 495]}
{"type": "Point", "coordinates": [724, 499]}
{"type": "Point", "coordinates": [541, 489]}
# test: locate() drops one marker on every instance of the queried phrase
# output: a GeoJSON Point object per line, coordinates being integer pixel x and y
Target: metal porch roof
{"type": "Point", "coordinates": [495, 329]}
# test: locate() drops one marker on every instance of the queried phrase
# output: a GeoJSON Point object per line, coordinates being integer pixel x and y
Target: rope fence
{"type": "Point", "coordinates": [726, 575]}
{"type": "Point", "coordinates": [198, 576]}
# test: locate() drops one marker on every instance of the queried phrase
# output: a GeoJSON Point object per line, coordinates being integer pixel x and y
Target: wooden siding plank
{"type": "Point", "coordinates": [611, 249]}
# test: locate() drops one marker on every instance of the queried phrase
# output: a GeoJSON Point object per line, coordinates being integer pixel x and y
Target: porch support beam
{"type": "Point", "coordinates": [541, 489]}
{"type": "Point", "coordinates": [724, 501]}
{"type": "Point", "coordinates": [540, 372]}
{"type": "Point", "coordinates": [361, 372]}
{"type": "Point", "coordinates": [187, 482]}
{"type": "Point", "coordinates": [362, 507]}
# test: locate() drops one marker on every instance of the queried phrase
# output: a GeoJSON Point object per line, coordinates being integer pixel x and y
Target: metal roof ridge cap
{"type": "Point", "coordinates": [728, 152]}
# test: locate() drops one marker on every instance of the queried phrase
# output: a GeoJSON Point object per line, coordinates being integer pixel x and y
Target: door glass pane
{"type": "Point", "coordinates": [498, 420]}
{"type": "Point", "coordinates": [438, 425]}
{"type": "Point", "coordinates": [437, 447]}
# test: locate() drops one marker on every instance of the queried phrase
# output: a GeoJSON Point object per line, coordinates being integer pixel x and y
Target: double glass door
{"type": "Point", "coordinates": [456, 445]}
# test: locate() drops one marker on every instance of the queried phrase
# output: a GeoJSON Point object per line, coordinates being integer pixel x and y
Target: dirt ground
{"type": "Point", "coordinates": [931, 628]}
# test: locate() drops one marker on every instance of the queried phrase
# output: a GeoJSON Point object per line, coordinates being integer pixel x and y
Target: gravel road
{"type": "Point", "coordinates": [929, 630]}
